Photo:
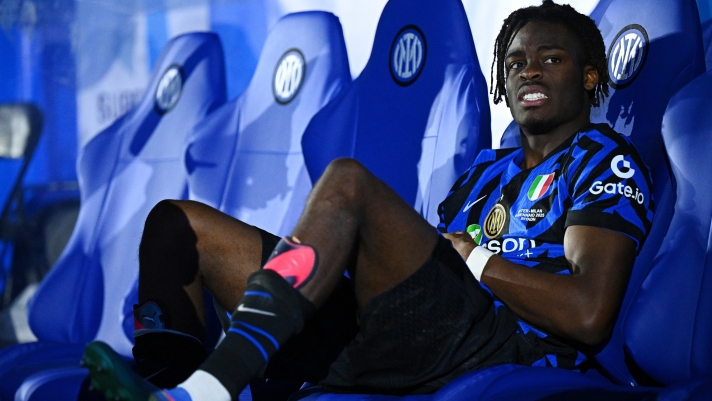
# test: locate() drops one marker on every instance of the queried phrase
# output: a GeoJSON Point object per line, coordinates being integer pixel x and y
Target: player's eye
{"type": "Point", "coordinates": [552, 60]}
{"type": "Point", "coordinates": [515, 65]}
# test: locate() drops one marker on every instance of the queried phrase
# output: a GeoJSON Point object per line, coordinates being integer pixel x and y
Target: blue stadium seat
{"type": "Point", "coordinates": [511, 138]}
{"type": "Point", "coordinates": [123, 172]}
{"type": "Point", "coordinates": [640, 46]}
{"type": "Point", "coordinates": [515, 382]}
{"type": "Point", "coordinates": [418, 112]}
{"type": "Point", "coordinates": [705, 8]}
{"type": "Point", "coordinates": [667, 27]}
{"type": "Point", "coordinates": [669, 324]}
{"type": "Point", "coordinates": [246, 158]}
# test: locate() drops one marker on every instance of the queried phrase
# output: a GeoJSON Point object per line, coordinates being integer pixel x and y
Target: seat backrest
{"type": "Point", "coordinates": [123, 172]}
{"type": "Point", "coordinates": [705, 9]}
{"type": "Point", "coordinates": [511, 138]}
{"type": "Point", "coordinates": [418, 112]}
{"type": "Point", "coordinates": [246, 158]}
{"type": "Point", "coordinates": [652, 51]}
{"type": "Point", "coordinates": [669, 324]}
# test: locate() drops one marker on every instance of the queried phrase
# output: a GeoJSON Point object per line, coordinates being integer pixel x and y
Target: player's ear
{"type": "Point", "coordinates": [590, 77]}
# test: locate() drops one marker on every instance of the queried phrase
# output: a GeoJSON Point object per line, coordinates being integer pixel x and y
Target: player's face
{"type": "Point", "coordinates": [546, 83]}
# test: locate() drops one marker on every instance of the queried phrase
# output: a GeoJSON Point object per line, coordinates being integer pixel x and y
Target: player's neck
{"type": "Point", "coordinates": [537, 146]}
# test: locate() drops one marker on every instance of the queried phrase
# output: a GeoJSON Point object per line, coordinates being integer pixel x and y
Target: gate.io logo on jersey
{"type": "Point", "coordinates": [626, 171]}
{"type": "Point", "coordinates": [408, 53]}
{"type": "Point", "coordinates": [626, 55]}
{"type": "Point", "coordinates": [289, 76]}
{"type": "Point", "coordinates": [169, 89]}
{"type": "Point", "coordinates": [621, 168]}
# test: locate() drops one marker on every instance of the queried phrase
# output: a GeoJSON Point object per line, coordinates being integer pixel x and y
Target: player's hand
{"type": "Point", "coordinates": [462, 242]}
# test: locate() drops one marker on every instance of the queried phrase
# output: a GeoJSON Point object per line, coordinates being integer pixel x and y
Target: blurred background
{"type": "Point", "coordinates": [84, 63]}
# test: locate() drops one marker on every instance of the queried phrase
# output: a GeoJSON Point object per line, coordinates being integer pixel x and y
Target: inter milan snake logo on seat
{"type": "Point", "coordinates": [289, 76]}
{"type": "Point", "coordinates": [169, 89]}
{"type": "Point", "coordinates": [626, 55]}
{"type": "Point", "coordinates": [407, 56]}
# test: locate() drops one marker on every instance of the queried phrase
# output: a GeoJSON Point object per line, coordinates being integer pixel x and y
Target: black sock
{"type": "Point", "coordinates": [270, 313]}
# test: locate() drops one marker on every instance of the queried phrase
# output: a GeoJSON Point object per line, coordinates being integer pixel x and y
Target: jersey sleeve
{"type": "Point", "coordinates": [610, 187]}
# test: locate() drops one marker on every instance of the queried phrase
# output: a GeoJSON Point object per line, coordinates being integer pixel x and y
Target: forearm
{"type": "Point", "coordinates": [563, 305]}
{"type": "Point", "coordinates": [580, 306]}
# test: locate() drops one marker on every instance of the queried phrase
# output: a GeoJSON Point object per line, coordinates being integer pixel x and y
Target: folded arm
{"type": "Point", "coordinates": [581, 306]}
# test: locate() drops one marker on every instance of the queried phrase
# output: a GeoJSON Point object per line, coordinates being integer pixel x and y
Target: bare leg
{"type": "Point", "coordinates": [187, 246]}
{"type": "Point", "coordinates": [350, 208]}
{"type": "Point", "coordinates": [350, 215]}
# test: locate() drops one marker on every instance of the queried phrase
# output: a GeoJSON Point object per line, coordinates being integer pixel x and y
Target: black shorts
{"type": "Point", "coordinates": [413, 338]}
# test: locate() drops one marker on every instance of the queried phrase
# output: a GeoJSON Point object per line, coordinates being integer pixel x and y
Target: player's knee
{"type": "Point", "coordinates": [348, 176]}
{"type": "Point", "coordinates": [345, 166]}
{"type": "Point", "coordinates": [163, 215]}
{"type": "Point", "coordinates": [167, 229]}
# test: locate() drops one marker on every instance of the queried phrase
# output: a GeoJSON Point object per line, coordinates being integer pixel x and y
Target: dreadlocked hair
{"type": "Point", "coordinates": [594, 49]}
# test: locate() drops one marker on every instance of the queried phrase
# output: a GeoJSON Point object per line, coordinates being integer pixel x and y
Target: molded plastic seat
{"type": "Point", "coordinates": [644, 77]}
{"type": "Point", "coordinates": [705, 9]}
{"type": "Point", "coordinates": [246, 158]}
{"type": "Point", "coordinates": [418, 113]}
{"type": "Point", "coordinates": [516, 382]}
{"type": "Point", "coordinates": [123, 172]}
{"type": "Point", "coordinates": [669, 324]}
{"type": "Point", "coordinates": [643, 74]}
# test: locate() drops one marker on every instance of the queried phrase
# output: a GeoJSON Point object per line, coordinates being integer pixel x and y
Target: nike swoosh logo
{"type": "Point", "coordinates": [148, 377]}
{"type": "Point", "coordinates": [243, 308]}
{"type": "Point", "coordinates": [469, 205]}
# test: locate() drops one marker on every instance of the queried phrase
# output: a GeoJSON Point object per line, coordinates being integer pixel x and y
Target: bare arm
{"type": "Point", "coordinates": [581, 306]}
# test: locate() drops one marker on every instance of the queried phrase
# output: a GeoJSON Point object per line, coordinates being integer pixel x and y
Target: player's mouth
{"type": "Point", "coordinates": [532, 96]}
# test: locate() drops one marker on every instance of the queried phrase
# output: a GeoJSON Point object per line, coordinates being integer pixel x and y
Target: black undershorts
{"type": "Point", "coordinates": [413, 338]}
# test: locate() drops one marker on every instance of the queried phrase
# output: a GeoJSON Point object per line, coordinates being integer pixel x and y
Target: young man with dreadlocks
{"type": "Point", "coordinates": [536, 248]}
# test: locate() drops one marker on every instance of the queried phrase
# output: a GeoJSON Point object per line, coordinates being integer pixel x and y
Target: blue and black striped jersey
{"type": "Point", "coordinates": [595, 178]}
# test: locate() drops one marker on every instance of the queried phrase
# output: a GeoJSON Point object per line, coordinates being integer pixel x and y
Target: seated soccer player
{"type": "Point", "coordinates": [535, 250]}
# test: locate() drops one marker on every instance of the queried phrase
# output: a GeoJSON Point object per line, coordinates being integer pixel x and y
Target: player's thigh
{"type": "Point", "coordinates": [394, 242]}
{"type": "Point", "coordinates": [229, 250]}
